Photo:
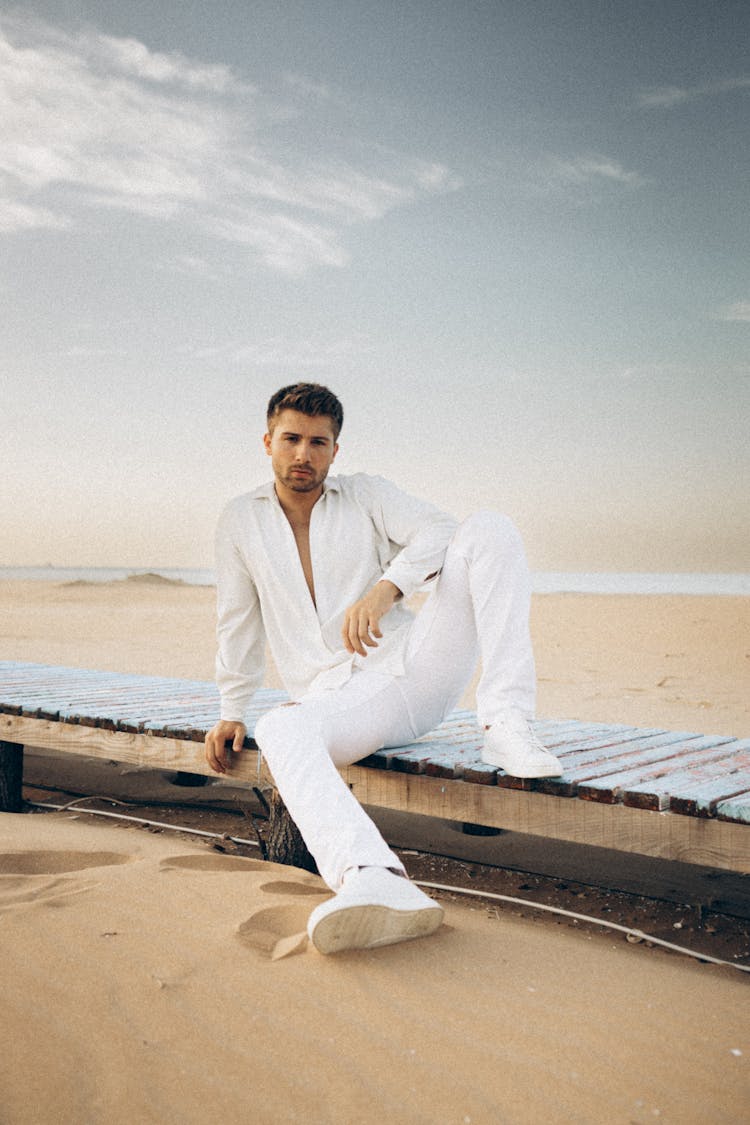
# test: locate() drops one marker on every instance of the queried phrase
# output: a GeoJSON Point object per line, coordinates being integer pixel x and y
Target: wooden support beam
{"type": "Point", "coordinates": [285, 843]}
{"type": "Point", "coordinates": [11, 776]}
{"type": "Point", "coordinates": [139, 749]}
{"type": "Point", "coordinates": [666, 835]}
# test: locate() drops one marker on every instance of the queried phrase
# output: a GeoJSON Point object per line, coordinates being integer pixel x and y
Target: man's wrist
{"type": "Point", "coordinates": [392, 588]}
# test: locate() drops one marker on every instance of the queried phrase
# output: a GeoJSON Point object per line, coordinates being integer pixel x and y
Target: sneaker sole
{"type": "Point", "coordinates": [368, 926]}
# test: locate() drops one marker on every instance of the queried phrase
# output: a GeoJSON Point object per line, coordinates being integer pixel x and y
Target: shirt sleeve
{"type": "Point", "coordinates": [240, 656]}
{"type": "Point", "coordinates": [421, 531]}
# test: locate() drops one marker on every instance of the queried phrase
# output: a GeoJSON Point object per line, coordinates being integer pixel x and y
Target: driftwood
{"type": "Point", "coordinates": [284, 843]}
{"type": "Point", "coordinates": [11, 777]}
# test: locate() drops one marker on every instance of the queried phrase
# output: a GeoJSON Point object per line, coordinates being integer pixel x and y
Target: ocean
{"type": "Point", "coordinates": [544, 582]}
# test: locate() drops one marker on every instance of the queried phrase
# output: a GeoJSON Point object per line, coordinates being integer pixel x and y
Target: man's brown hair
{"type": "Point", "coordinates": [308, 398]}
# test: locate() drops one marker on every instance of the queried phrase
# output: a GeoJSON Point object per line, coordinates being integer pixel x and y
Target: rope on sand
{"type": "Point", "coordinates": [629, 931]}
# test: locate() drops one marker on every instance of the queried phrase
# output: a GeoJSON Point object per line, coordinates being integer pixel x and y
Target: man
{"type": "Point", "coordinates": [318, 567]}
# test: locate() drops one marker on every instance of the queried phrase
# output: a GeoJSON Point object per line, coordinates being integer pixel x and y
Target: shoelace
{"type": "Point", "coordinates": [517, 724]}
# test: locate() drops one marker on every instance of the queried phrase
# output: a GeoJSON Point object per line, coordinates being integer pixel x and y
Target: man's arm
{"type": "Point", "coordinates": [240, 645]}
{"type": "Point", "coordinates": [422, 532]}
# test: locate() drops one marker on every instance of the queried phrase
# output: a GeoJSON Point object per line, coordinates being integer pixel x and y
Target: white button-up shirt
{"type": "Point", "coordinates": [362, 529]}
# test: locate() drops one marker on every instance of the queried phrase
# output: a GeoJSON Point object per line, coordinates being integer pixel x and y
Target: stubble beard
{"type": "Point", "coordinates": [303, 484]}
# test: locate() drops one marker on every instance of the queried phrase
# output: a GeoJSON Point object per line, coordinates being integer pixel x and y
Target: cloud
{"type": "Point", "coordinates": [286, 354]}
{"type": "Point", "coordinates": [283, 242]}
{"type": "Point", "coordinates": [16, 215]}
{"type": "Point", "coordinates": [594, 169]}
{"type": "Point", "coordinates": [737, 312]}
{"type": "Point", "coordinates": [134, 58]}
{"type": "Point", "coordinates": [653, 372]}
{"type": "Point", "coordinates": [308, 87]}
{"type": "Point", "coordinates": [664, 97]}
{"type": "Point", "coordinates": [93, 121]}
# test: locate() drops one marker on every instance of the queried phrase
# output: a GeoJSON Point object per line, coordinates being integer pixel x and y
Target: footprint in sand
{"type": "Point", "coordinates": [282, 887]}
{"type": "Point", "coordinates": [57, 863]}
{"type": "Point", "coordinates": [277, 931]}
{"type": "Point", "coordinates": [220, 864]}
{"type": "Point", "coordinates": [38, 878]}
{"type": "Point", "coordinates": [23, 890]}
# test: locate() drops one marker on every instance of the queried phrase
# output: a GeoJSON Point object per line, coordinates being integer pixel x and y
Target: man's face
{"type": "Point", "coordinates": [302, 450]}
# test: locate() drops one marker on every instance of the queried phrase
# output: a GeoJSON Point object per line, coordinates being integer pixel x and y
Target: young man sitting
{"type": "Point", "coordinates": [318, 567]}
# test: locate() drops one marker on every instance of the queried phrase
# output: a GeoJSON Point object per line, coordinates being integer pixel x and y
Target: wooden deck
{"type": "Point", "coordinates": [677, 795]}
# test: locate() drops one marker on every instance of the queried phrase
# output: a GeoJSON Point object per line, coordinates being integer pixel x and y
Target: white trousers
{"type": "Point", "coordinates": [478, 609]}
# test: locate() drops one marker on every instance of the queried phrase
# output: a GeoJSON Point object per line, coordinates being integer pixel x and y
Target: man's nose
{"type": "Point", "coordinates": [302, 451]}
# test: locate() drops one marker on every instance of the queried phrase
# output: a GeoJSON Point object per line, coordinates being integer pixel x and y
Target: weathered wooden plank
{"type": "Point", "coordinates": [657, 794]}
{"type": "Point", "coordinates": [139, 749]}
{"type": "Point", "coordinates": [634, 748]}
{"type": "Point", "coordinates": [656, 771]}
{"type": "Point", "coordinates": [582, 736]}
{"type": "Point", "coordinates": [461, 748]}
{"type": "Point", "coordinates": [116, 701]}
{"type": "Point", "coordinates": [704, 800]}
{"type": "Point", "coordinates": [479, 773]}
{"type": "Point", "coordinates": [735, 808]}
{"type": "Point", "coordinates": [84, 680]}
{"type": "Point", "coordinates": [572, 742]}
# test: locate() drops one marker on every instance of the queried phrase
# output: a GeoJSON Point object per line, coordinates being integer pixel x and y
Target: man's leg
{"type": "Point", "coordinates": [480, 609]}
{"type": "Point", "coordinates": [305, 745]}
{"type": "Point", "coordinates": [375, 904]}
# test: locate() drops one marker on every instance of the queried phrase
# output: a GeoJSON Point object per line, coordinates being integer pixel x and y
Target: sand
{"type": "Point", "coordinates": [151, 978]}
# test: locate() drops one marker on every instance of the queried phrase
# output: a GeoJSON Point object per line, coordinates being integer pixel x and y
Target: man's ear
{"type": "Point", "coordinates": [267, 443]}
{"type": "Point", "coordinates": [335, 451]}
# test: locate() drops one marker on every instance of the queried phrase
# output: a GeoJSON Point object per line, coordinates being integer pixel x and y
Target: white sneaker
{"type": "Point", "coordinates": [511, 745]}
{"type": "Point", "coordinates": [374, 907]}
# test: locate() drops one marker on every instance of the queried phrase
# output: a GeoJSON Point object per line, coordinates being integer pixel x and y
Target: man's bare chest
{"type": "Point", "coordinates": [301, 532]}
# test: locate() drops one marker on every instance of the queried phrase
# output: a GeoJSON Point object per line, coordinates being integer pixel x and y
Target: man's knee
{"type": "Point", "coordinates": [488, 527]}
{"type": "Point", "coordinates": [279, 725]}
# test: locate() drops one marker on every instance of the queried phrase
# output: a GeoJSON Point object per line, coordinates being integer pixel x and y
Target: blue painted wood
{"type": "Point", "coordinates": [119, 701]}
{"type": "Point", "coordinates": [686, 778]}
{"type": "Point", "coordinates": [702, 801]}
{"type": "Point", "coordinates": [734, 808]}
{"type": "Point", "coordinates": [706, 787]}
{"type": "Point", "coordinates": [651, 770]}
{"type": "Point", "coordinates": [631, 749]}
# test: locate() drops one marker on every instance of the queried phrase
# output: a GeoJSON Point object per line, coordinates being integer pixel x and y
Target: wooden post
{"type": "Point", "coordinates": [285, 844]}
{"type": "Point", "coordinates": [11, 777]}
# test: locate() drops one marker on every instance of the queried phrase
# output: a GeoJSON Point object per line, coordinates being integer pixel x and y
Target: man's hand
{"type": "Point", "coordinates": [216, 739]}
{"type": "Point", "coordinates": [362, 620]}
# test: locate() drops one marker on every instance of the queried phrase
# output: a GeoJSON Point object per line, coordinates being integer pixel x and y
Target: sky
{"type": "Point", "coordinates": [511, 236]}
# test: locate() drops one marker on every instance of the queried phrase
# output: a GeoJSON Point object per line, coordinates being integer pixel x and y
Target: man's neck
{"type": "Point", "coordinates": [297, 506]}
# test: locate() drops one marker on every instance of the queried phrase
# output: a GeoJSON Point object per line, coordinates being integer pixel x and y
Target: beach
{"type": "Point", "coordinates": [153, 977]}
